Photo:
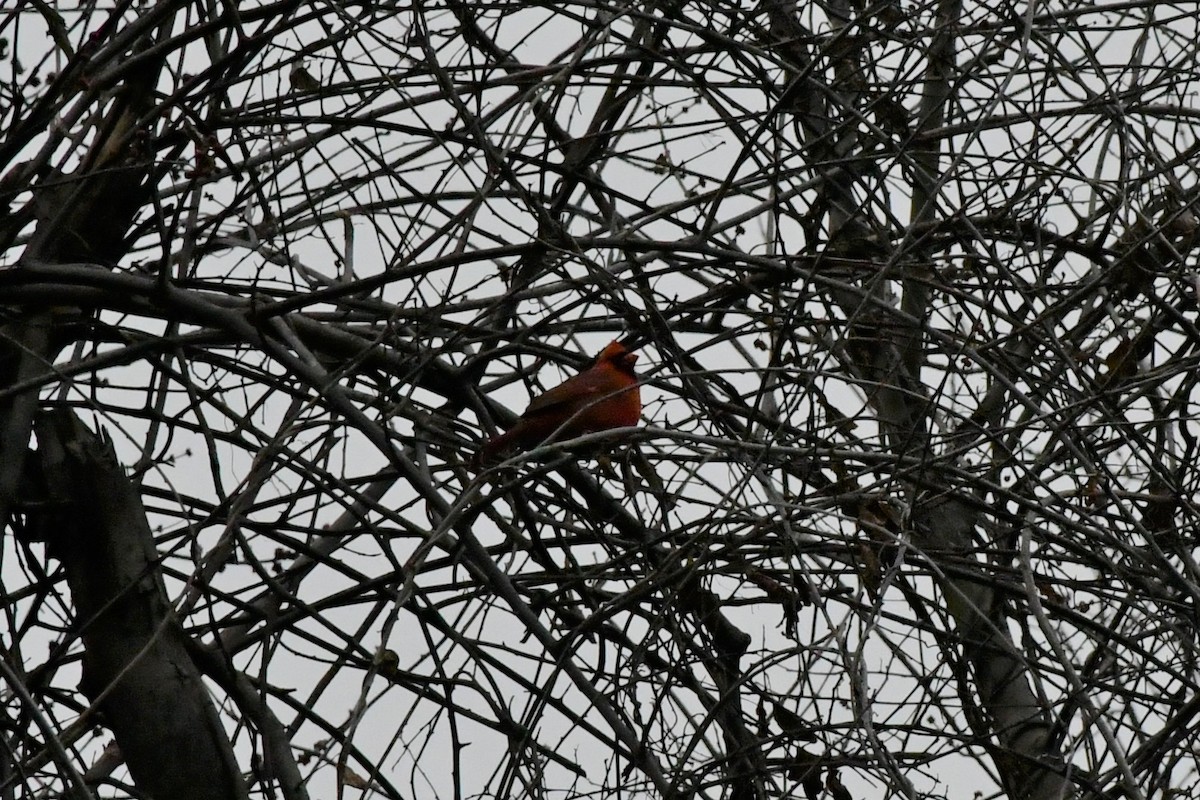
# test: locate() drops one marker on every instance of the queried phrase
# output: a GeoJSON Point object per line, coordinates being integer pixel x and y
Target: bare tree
{"type": "Point", "coordinates": [912, 511]}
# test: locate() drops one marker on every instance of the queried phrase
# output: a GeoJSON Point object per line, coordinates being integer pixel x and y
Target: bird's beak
{"type": "Point", "coordinates": [629, 359]}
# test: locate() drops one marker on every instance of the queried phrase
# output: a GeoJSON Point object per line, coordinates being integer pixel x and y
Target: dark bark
{"type": "Point", "coordinates": [84, 216]}
{"type": "Point", "coordinates": [136, 668]}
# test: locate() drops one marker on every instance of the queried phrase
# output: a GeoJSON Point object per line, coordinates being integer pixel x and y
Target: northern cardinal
{"type": "Point", "coordinates": [603, 396]}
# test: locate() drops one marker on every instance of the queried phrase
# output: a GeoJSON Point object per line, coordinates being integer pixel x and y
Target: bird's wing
{"type": "Point", "coordinates": [571, 395]}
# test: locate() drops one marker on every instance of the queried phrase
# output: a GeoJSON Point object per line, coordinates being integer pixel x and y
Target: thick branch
{"type": "Point", "coordinates": [136, 669]}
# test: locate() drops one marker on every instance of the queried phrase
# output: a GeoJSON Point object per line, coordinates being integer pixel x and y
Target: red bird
{"type": "Point", "coordinates": [602, 397]}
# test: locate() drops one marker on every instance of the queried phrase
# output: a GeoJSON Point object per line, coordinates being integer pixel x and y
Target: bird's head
{"type": "Point", "coordinates": [618, 356]}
